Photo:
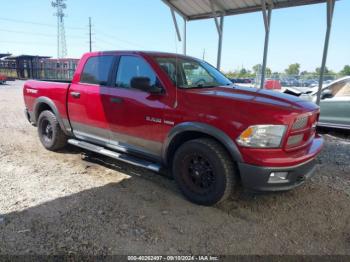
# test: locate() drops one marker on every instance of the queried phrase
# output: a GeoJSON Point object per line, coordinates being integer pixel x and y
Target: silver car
{"type": "Point", "coordinates": [335, 104]}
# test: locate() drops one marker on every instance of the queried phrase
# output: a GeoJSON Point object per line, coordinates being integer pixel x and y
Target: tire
{"type": "Point", "coordinates": [204, 171]}
{"type": "Point", "coordinates": [50, 133]}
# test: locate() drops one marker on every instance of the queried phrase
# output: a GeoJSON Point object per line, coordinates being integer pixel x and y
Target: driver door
{"type": "Point", "coordinates": [136, 116]}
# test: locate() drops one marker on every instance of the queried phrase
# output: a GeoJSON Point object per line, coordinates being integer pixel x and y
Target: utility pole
{"type": "Point", "coordinates": [61, 35]}
{"type": "Point", "coordinates": [58, 33]}
{"type": "Point", "coordinates": [204, 54]}
{"type": "Point", "coordinates": [90, 43]}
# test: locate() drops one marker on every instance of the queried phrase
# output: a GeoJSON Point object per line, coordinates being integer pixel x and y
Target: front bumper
{"type": "Point", "coordinates": [256, 177]}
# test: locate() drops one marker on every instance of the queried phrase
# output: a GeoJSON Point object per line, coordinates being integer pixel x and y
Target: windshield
{"type": "Point", "coordinates": [190, 73]}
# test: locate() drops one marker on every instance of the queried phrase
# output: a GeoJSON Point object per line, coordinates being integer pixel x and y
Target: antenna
{"type": "Point", "coordinates": [61, 35]}
{"type": "Point", "coordinates": [90, 42]}
{"type": "Point", "coordinates": [176, 75]}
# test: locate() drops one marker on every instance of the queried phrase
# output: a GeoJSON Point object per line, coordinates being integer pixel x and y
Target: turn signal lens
{"type": "Point", "coordinates": [247, 133]}
{"type": "Point", "coordinates": [295, 140]}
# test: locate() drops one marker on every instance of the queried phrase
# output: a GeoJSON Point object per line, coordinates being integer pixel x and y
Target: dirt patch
{"type": "Point", "coordinates": [69, 203]}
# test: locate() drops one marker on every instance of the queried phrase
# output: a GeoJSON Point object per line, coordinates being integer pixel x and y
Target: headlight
{"type": "Point", "coordinates": [266, 136]}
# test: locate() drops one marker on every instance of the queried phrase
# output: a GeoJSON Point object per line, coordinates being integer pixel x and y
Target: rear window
{"type": "Point", "coordinates": [96, 70]}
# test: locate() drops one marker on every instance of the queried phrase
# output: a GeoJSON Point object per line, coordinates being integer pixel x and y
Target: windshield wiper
{"type": "Point", "coordinates": [204, 86]}
{"type": "Point", "coordinates": [199, 86]}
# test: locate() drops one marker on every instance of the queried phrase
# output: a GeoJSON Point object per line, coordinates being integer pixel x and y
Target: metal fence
{"type": "Point", "coordinates": [38, 73]}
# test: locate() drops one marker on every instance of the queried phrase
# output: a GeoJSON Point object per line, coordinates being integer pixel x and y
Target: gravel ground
{"type": "Point", "coordinates": [68, 202]}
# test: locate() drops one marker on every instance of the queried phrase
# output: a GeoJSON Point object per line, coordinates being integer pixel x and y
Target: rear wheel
{"type": "Point", "coordinates": [204, 171]}
{"type": "Point", "coordinates": [50, 133]}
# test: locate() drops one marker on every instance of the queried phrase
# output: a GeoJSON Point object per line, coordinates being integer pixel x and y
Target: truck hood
{"type": "Point", "coordinates": [260, 96]}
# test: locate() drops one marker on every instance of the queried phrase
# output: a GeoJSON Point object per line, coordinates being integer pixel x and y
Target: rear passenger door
{"type": "Point", "coordinates": [88, 100]}
{"type": "Point", "coordinates": [136, 116]}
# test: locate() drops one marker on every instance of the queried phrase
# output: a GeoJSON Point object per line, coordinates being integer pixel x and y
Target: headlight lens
{"type": "Point", "coordinates": [265, 136]}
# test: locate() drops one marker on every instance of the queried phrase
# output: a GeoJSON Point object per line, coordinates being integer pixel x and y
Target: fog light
{"type": "Point", "coordinates": [278, 177]}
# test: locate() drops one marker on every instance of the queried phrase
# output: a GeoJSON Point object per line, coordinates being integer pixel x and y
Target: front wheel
{"type": "Point", "coordinates": [50, 133]}
{"type": "Point", "coordinates": [204, 171]}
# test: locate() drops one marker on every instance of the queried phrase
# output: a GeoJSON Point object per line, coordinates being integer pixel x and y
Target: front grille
{"type": "Point", "coordinates": [302, 130]}
{"type": "Point", "coordinates": [300, 123]}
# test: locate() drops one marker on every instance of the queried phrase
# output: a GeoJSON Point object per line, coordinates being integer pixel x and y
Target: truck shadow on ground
{"type": "Point", "coordinates": [163, 177]}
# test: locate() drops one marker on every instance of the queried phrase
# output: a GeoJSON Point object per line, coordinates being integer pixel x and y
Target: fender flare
{"type": "Point", "coordinates": [212, 131]}
{"type": "Point", "coordinates": [45, 100]}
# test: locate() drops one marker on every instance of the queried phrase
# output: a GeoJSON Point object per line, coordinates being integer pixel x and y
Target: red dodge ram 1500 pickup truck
{"type": "Point", "coordinates": [159, 110]}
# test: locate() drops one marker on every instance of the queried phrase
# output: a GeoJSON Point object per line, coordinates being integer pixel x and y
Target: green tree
{"type": "Point", "coordinates": [243, 72]}
{"type": "Point", "coordinates": [307, 75]}
{"type": "Point", "coordinates": [275, 75]}
{"type": "Point", "coordinates": [328, 74]}
{"type": "Point", "coordinates": [268, 72]}
{"type": "Point", "coordinates": [230, 74]}
{"type": "Point", "coordinates": [345, 71]}
{"type": "Point", "coordinates": [318, 70]}
{"type": "Point", "coordinates": [257, 70]}
{"type": "Point", "coordinates": [293, 69]}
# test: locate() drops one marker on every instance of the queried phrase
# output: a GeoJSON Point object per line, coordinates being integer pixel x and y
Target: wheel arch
{"type": "Point", "coordinates": [45, 103]}
{"type": "Point", "coordinates": [191, 130]}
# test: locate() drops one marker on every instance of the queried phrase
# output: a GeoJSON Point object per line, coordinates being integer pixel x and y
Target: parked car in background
{"type": "Point", "coordinates": [273, 84]}
{"type": "Point", "coordinates": [308, 83]}
{"type": "Point", "coordinates": [334, 104]}
{"type": "Point", "coordinates": [241, 80]}
{"type": "Point", "coordinates": [289, 82]}
{"type": "Point", "coordinates": [3, 79]}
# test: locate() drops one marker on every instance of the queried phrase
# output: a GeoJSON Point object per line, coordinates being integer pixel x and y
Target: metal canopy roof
{"type": "Point", "coordinates": [202, 9]}
{"type": "Point", "coordinates": [205, 9]}
{"type": "Point", "coordinates": [4, 55]}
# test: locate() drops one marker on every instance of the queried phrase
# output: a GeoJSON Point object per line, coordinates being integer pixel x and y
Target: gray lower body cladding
{"type": "Point", "coordinates": [257, 177]}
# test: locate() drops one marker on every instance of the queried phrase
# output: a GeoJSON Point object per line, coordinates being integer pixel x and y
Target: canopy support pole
{"type": "Point", "coordinates": [220, 32]}
{"type": "Point", "coordinates": [175, 24]}
{"type": "Point", "coordinates": [220, 29]}
{"type": "Point", "coordinates": [267, 21]}
{"type": "Point", "coordinates": [185, 37]}
{"type": "Point", "coordinates": [330, 11]}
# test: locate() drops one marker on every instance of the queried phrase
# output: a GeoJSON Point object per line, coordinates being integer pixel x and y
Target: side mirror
{"type": "Point", "coordinates": [326, 94]}
{"type": "Point", "coordinates": [155, 90]}
{"type": "Point", "coordinates": [141, 83]}
{"type": "Point", "coordinates": [144, 83]}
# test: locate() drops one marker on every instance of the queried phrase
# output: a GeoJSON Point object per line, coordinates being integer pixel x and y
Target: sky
{"type": "Point", "coordinates": [297, 34]}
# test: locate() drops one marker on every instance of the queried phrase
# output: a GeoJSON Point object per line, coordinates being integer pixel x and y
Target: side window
{"type": "Point", "coordinates": [134, 72]}
{"type": "Point", "coordinates": [96, 70]}
{"type": "Point", "coordinates": [168, 68]}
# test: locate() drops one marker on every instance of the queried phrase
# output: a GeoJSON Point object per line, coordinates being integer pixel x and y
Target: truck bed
{"type": "Point", "coordinates": [54, 91]}
{"type": "Point", "coordinates": [54, 81]}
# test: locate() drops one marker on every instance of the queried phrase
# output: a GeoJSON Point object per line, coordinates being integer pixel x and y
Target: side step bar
{"type": "Point", "coordinates": [119, 156]}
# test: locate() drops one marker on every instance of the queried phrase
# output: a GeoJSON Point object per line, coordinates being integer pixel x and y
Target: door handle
{"type": "Point", "coordinates": [75, 94]}
{"type": "Point", "coordinates": [116, 100]}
